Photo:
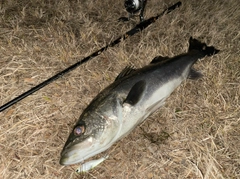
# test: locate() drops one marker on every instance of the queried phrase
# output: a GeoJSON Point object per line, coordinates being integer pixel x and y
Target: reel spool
{"type": "Point", "coordinates": [133, 7]}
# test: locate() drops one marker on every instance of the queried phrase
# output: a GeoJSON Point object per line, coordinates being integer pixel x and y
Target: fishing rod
{"type": "Point", "coordinates": [139, 27]}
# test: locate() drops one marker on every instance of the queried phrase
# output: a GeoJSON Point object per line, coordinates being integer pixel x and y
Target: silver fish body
{"type": "Point", "coordinates": [128, 101]}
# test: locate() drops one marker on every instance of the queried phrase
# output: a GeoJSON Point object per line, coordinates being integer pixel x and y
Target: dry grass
{"type": "Point", "coordinates": [195, 135]}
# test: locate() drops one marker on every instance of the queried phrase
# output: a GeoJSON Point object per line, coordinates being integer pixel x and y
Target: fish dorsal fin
{"type": "Point", "coordinates": [125, 72]}
{"type": "Point", "coordinates": [158, 59]}
{"type": "Point", "coordinates": [194, 75]}
{"type": "Point", "coordinates": [136, 93]}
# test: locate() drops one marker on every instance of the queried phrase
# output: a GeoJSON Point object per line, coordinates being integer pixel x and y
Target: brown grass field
{"type": "Point", "coordinates": [195, 135]}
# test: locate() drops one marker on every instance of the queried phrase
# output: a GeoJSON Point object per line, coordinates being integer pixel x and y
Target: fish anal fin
{"type": "Point", "coordinates": [125, 72]}
{"type": "Point", "coordinates": [194, 75]}
{"type": "Point", "coordinates": [136, 92]}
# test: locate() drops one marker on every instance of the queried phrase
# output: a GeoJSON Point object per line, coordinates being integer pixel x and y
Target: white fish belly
{"type": "Point", "coordinates": [159, 96]}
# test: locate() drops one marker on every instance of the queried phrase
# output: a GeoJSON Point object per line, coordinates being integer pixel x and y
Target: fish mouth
{"type": "Point", "coordinates": [77, 153]}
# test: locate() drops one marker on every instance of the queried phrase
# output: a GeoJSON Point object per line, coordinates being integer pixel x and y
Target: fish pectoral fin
{"type": "Point", "coordinates": [193, 74]}
{"type": "Point", "coordinates": [136, 92]}
{"type": "Point", "coordinates": [159, 59]}
{"type": "Point", "coordinates": [125, 72]}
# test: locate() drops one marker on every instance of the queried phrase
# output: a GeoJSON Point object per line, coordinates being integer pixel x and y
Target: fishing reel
{"type": "Point", "coordinates": [134, 7]}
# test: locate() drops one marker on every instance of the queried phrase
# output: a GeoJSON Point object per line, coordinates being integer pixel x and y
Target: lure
{"type": "Point", "coordinates": [90, 164]}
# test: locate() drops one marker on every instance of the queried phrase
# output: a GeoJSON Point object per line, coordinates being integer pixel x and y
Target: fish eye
{"type": "Point", "coordinates": [78, 130]}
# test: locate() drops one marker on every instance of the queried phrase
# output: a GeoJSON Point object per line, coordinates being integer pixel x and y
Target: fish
{"type": "Point", "coordinates": [128, 101]}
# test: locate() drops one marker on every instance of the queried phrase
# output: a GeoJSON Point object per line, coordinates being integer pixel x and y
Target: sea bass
{"type": "Point", "coordinates": [128, 101]}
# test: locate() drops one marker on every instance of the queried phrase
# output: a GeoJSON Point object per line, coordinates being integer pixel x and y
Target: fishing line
{"type": "Point", "coordinates": [139, 27]}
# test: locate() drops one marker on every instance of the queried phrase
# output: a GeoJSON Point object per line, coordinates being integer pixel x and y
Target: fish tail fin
{"type": "Point", "coordinates": [194, 75]}
{"type": "Point", "coordinates": [195, 44]}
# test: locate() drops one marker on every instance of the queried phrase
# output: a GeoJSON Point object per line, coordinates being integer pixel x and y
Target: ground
{"type": "Point", "coordinates": [195, 135]}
